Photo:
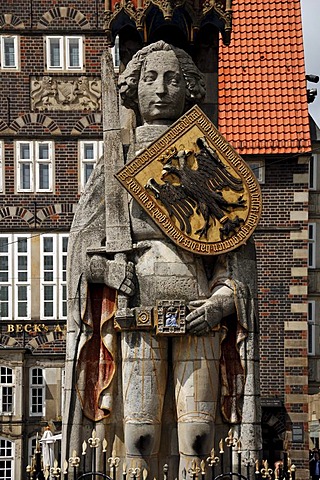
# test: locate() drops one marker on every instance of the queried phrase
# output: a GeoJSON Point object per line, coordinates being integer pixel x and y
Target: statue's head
{"type": "Point", "coordinates": [160, 83]}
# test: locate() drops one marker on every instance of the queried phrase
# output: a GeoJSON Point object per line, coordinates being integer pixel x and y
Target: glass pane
{"type": "Point", "coordinates": [37, 376]}
{"type": "Point", "coordinates": [22, 245]}
{"type": "Point", "coordinates": [43, 176]}
{"type": "Point", "coordinates": [4, 293]}
{"type": "Point", "coordinates": [54, 52]}
{"type": "Point", "coordinates": [22, 262]}
{"type": "Point", "coordinates": [43, 151]}
{"type": "Point", "coordinates": [9, 53]}
{"type": "Point", "coordinates": [25, 176]}
{"type": "Point", "coordinates": [22, 309]}
{"type": "Point", "coordinates": [48, 244]}
{"type": "Point", "coordinates": [22, 292]}
{"type": "Point", "coordinates": [88, 151]}
{"type": "Point", "coordinates": [65, 244]}
{"type": "Point", "coordinates": [48, 292]}
{"type": "Point", "coordinates": [88, 169]}
{"type": "Point", "coordinates": [22, 276]}
{"type": "Point", "coordinates": [3, 244]}
{"type": "Point", "coordinates": [74, 53]}
{"type": "Point", "coordinates": [48, 262]}
{"type": "Point", "coordinates": [310, 338]}
{"type": "Point", "coordinates": [4, 309]}
{"type": "Point", "coordinates": [48, 309]}
{"type": "Point", "coordinates": [25, 151]}
{"type": "Point", "coordinates": [4, 263]}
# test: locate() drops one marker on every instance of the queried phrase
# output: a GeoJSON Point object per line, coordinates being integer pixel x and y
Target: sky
{"type": "Point", "coordinates": [311, 39]}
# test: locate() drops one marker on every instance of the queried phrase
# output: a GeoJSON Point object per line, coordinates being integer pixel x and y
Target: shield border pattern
{"type": "Point", "coordinates": [188, 127]}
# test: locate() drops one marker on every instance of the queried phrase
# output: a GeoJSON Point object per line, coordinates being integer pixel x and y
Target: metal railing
{"type": "Point", "coordinates": [230, 463]}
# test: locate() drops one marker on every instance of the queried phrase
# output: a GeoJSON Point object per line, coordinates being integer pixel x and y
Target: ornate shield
{"type": "Point", "coordinates": [196, 187]}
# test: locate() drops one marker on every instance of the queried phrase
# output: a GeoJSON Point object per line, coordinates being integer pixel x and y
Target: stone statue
{"type": "Point", "coordinates": [158, 399]}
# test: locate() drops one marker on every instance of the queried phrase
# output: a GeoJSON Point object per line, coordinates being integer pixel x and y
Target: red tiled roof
{"type": "Point", "coordinates": [262, 87]}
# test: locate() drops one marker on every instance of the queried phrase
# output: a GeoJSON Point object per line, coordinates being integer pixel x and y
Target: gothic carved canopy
{"type": "Point", "coordinates": [188, 15]}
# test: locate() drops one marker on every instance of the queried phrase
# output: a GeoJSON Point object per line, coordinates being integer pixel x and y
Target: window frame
{"type": "Point", "coordinates": [258, 171]}
{"type": "Point", "coordinates": [58, 282]}
{"type": "Point", "coordinates": [21, 283]}
{"type": "Point", "coordinates": [16, 43]}
{"type": "Point", "coordinates": [34, 161]}
{"type": "Point", "coordinates": [8, 458]}
{"type": "Point", "coordinates": [10, 385]}
{"type": "Point", "coordinates": [312, 245]}
{"type": "Point", "coordinates": [37, 387]}
{"type": "Point", "coordinates": [313, 164]}
{"type": "Point", "coordinates": [64, 53]}
{"type": "Point", "coordinates": [9, 284]}
{"type": "Point", "coordinates": [311, 327]}
{"type": "Point", "coordinates": [2, 163]}
{"type": "Point", "coordinates": [13, 284]}
{"type": "Point", "coordinates": [83, 162]}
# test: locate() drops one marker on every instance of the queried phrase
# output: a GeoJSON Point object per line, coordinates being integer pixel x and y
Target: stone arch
{"type": "Point", "coordinates": [3, 125]}
{"type": "Point", "coordinates": [55, 210]}
{"type": "Point", "coordinates": [33, 118]}
{"type": "Point", "coordinates": [19, 212]}
{"type": "Point", "coordinates": [37, 343]}
{"type": "Point", "coordinates": [7, 341]}
{"type": "Point", "coordinates": [84, 122]}
{"type": "Point", "coordinates": [64, 12]}
{"type": "Point", "coordinates": [9, 19]}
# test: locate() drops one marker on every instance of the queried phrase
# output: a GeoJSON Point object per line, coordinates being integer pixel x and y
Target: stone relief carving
{"type": "Point", "coordinates": [65, 93]}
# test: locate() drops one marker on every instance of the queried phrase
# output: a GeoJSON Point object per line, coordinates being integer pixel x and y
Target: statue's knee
{"type": "Point", "coordinates": [195, 439]}
{"type": "Point", "coordinates": [142, 439]}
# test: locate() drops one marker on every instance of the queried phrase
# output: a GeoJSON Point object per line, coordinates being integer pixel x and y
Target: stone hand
{"type": "Point", "coordinates": [203, 317]}
{"type": "Point", "coordinates": [207, 314]}
{"type": "Point", "coordinates": [117, 274]}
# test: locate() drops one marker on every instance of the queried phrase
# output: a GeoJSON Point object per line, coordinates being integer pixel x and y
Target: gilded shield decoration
{"type": "Point", "coordinates": [196, 187]}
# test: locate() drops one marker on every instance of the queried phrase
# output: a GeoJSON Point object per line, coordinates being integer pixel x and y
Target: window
{"type": "Point", "coordinates": [115, 52]}
{"type": "Point", "coordinates": [64, 53]}
{"type": "Point", "coordinates": [1, 166]}
{"type": "Point", "coordinates": [34, 166]}
{"type": "Point", "coordinates": [9, 53]}
{"type": "Point", "coordinates": [6, 391]}
{"type": "Point", "coordinates": [37, 392]}
{"type": "Point", "coordinates": [258, 168]}
{"type": "Point", "coordinates": [312, 245]}
{"type": "Point", "coordinates": [15, 269]}
{"type": "Point", "coordinates": [53, 276]}
{"type": "Point", "coordinates": [311, 327]}
{"type": "Point", "coordinates": [313, 172]}
{"type": "Point", "coordinates": [6, 459]}
{"type": "Point", "coordinates": [90, 152]}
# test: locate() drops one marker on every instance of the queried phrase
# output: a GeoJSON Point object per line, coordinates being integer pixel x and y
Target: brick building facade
{"type": "Point", "coordinates": [50, 137]}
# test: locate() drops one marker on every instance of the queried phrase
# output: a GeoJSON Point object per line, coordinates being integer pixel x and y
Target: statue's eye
{"type": "Point", "coordinates": [149, 77]}
{"type": "Point", "coordinates": [173, 78]}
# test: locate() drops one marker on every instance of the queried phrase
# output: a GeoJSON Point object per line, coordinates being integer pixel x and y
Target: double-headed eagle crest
{"type": "Point", "coordinates": [195, 187]}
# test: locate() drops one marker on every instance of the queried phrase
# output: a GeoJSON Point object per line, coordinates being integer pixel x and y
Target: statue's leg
{"type": "Point", "coordinates": [144, 374]}
{"type": "Point", "coordinates": [196, 377]}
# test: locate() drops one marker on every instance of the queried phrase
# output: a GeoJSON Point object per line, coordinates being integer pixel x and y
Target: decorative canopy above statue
{"type": "Point", "coordinates": [188, 16]}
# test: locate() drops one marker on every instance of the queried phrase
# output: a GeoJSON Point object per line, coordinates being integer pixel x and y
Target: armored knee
{"type": "Point", "coordinates": [195, 439]}
{"type": "Point", "coordinates": [142, 439]}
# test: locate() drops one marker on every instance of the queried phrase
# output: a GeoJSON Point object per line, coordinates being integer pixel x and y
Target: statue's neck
{"type": "Point", "coordinates": [147, 134]}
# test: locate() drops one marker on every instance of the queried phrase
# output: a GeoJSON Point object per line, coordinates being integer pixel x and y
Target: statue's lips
{"type": "Point", "coordinates": [160, 104]}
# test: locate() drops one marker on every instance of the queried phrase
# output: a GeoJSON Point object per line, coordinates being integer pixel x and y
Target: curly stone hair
{"type": "Point", "coordinates": [129, 79]}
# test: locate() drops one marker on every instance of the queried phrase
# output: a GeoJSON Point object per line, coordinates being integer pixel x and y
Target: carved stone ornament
{"type": "Point", "coordinates": [65, 93]}
{"type": "Point", "coordinates": [197, 11]}
{"type": "Point", "coordinates": [196, 187]}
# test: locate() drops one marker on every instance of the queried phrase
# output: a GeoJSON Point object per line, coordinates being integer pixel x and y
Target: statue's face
{"type": "Point", "coordinates": [161, 88]}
